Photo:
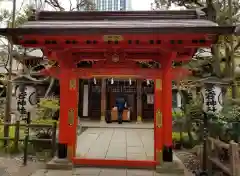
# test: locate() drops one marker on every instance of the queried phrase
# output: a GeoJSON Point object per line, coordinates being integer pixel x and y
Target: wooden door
{"type": "Point", "coordinates": [95, 102]}
{"type": "Point", "coordinates": [131, 102]}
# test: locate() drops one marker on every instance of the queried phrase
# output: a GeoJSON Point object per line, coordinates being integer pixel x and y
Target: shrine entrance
{"type": "Point", "coordinates": [115, 44]}
{"type": "Point", "coordinates": [68, 77]}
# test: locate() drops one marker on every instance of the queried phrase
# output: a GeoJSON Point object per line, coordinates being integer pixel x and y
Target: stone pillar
{"type": "Point", "coordinates": [139, 101]}
{"type": "Point", "coordinates": [158, 127]}
{"type": "Point", "coordinates": [68, 115]}
{"type": "Point", "coordinates": [103, 99]}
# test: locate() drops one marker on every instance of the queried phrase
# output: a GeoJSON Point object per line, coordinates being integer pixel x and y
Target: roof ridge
{"type": "Point", "coordinates": [116, 15]}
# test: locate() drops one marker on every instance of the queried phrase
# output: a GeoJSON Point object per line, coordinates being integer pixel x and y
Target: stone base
{"type": "Point", "coordinates": [103, 119]}
{"type": "Point", "coordinates": [167, 154]}
{"type": "Point", "coordinates": [170, 168]}
{"type": "Point", "coordinates": [59, 164]}
{"type": "Point", "coordinates": [62, 150]}
{"type": "Point", "coordinates": [139, 120]}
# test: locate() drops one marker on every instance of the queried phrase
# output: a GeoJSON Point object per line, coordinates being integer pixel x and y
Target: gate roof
{"type": "Point", "coordinates": [159, 22]}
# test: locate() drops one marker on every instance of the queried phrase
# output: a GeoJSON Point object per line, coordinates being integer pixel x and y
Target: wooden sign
{"type": "Point", "coordinates": [150, 98]}
{"type": "Point", "coordinates": [112, 38]}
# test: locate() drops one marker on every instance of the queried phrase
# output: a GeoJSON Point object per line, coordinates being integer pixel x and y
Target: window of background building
{"type": "Point", "coordinates": [98, 4]}
{"type": "Point", "coordinates": [122, 4]}
{"type": "Point", "coordinates": [104, 4]}
{"type": "Point", "coordinates": [115, 5]}
{"type": "Point", "coordinates": [110, 5]}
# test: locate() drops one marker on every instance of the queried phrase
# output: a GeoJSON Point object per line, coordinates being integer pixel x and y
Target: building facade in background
{"type": "Point", "coordinates": [113, 5]}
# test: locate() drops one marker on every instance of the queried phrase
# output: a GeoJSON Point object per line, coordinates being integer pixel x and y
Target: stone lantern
{"type": "Point", "coordinates": [212, 96]}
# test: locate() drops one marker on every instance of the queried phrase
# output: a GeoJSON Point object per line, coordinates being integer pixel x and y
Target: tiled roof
{"type": "Point", "coordinates": [118, 15]}
{"type": "Point", "coordinates": [119, 19]}
{"type": "Point", "coordinates": [118, 22]}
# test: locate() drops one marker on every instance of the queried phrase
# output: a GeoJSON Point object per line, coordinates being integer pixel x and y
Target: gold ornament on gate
{"type": "Point", "coordinates": [159, 118]}
{"type": "Point", "coordinates": [159, 156]}
{"type": "Point", "coordinates": [158, 84]}
{"type": "Point", "coordinates": [115, 58]}
{"type": "Point", "coordinates": [112, 38]}
{"type": "Point", "coordinates": [70, 116]}
{"type": "Point", "coordinates": [72, 84]}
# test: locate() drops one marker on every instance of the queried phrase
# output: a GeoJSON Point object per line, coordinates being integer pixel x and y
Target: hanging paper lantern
{"type": "Point", "coordinates": [26, 99]}
{"type": "Point", "coordinates": [212, 98]}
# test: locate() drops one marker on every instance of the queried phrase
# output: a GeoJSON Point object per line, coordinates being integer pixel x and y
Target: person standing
{"type": "Point", "coordinates": [120, 104]}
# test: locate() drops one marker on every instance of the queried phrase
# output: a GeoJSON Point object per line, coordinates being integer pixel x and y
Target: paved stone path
{"type": "Point", "coordinates": [97, 143]}
{"type": "Point", "coordinates": [130, 125]}
{"type": "Point", "coordinates": [98, 172]}
{"type": "Point", "coordinates": [118, 143]}
{"type": "Point", "coordinates": [12, 166]}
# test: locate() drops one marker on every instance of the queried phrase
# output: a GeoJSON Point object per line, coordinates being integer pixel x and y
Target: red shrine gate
{"type": "Point", "coordinates": [115, 42]}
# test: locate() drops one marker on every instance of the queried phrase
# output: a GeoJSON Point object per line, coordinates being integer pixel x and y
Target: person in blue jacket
{"type": "Point", "coordinates": [120, 104]}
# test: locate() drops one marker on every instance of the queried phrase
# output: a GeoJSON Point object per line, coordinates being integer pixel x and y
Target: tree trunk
{"type": "Point", "coordinates": [216, 63]}
{"type": "Point", "coordinates": [189, 132]}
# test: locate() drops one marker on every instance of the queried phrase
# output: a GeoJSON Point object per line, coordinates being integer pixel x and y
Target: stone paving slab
{"type": "Point", "coordinates": [128, 125]}
{"type": "Point", "coordinates": [116, 143]}
{"type": "Point", "coordinates": [98, 172]}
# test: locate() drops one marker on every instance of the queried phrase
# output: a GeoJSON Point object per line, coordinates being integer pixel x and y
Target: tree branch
{"type": "Point", "coordinates": [70, 7]}
{"type": "Point", "coordinates": [186, 3]}
{"type": "Point", "coordinates": [55, 4]}
{"type": "Point", "coordinates": [237, 46]}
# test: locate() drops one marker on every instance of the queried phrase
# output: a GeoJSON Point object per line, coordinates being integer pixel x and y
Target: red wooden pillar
{"type": "Point", "coordinates": [167, 107]}
{"type": "Point", "coordinates": [68, 112]}
{"type": "Point", "coordinates": [158, 127]}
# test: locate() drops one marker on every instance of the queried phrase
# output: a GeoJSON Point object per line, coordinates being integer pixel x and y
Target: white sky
{"type": "Point", "coordinates": [141, 4]}
{"type": "Point", "coordinates": [136, 4]}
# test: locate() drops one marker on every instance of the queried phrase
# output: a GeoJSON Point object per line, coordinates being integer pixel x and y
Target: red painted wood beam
{"type": "Point", "coordinates": [117, 72]}
{"type": "Point", "coordinates": [122, 64]}
{"type": "Point", "coordinates": [123, 56]}
{"type": "Point", "coordinates": [81, 56]}
{"type": "Point", "coordinates": [152, 42]}
{"type": "Point", "coordinates": [114, 163]}
{"type": "Point", "coordinates": [77, 59]}
{"type": "Point", "coordinates": [88, 73]}
{"type": "Point", "coordinates": [185, 55]}
{"type": "Point", "coordinates": [135, 57]}
{"type": "Point", "coordinates": [143, 58]}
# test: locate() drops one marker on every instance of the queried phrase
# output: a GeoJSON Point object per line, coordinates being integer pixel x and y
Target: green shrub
{"type": "Point", "coordinates": [47, 108]}
{"type": "Point", "coordinates": [176, 136]}
{"type": "Point", "coordinates": [44, 121]}
{"type": "Point", "coordinates": [48, 103]}
{"type": "Point", "coordinates": [177, 115]}
{"type": "Point", "coordinates": [10, 147]}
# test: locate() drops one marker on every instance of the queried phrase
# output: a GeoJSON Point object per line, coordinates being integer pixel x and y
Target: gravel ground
{"type": "Point", "coordinates": [190, 161]}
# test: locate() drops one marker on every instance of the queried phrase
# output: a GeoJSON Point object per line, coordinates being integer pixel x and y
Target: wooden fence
{"type": "Point", "coordinates": [232, 166]}
{"type": "Point", "coordinates": [27, 137]}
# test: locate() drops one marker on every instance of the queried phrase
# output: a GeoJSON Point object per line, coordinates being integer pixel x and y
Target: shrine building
{"type": "Point", "coordinates": [115, 44]}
